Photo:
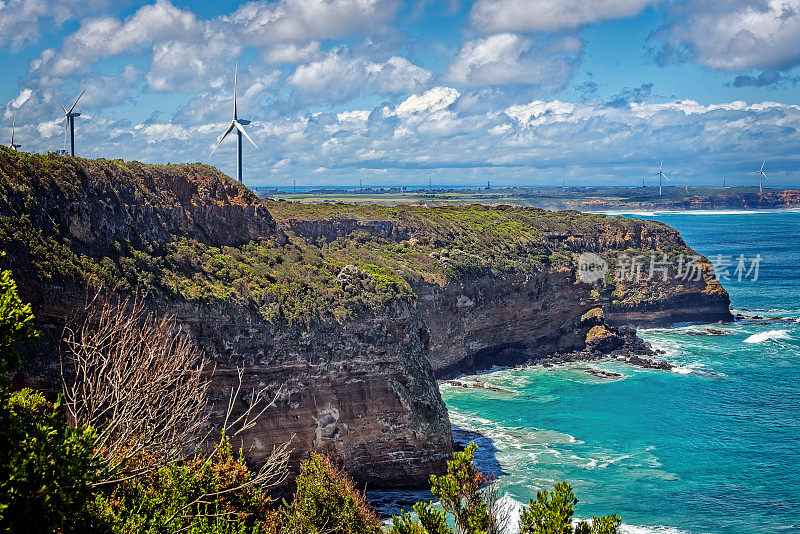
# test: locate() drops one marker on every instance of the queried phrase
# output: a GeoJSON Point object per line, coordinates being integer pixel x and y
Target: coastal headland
{"type": "Point", "coordinates": [348, 313]}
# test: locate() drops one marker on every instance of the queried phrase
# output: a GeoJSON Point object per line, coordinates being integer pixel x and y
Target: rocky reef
{"type": "Point", "coordinates": [347, 313]}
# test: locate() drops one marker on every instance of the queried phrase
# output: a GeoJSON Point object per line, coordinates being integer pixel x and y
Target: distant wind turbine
{"type": "Point", "coordinates": [237, 125]}
{"type": "Point", "coordinates": [761, 176]}
{"type": "Point", "coordinates": [13, 124]}
{"type": "Point", "coordinates": [70, 124]}
{"type": "Point", "coordinates": [660, 175]}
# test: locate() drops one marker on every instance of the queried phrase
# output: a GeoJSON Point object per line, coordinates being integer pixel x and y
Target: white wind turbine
{"type": "Point", "coordinates": [660, 175]}
{"type": "Point", "coordinates": [13, 124]}
{"type": "Point", "coordinates": [761, 177]}
{"type": "Point", "coordinates": [70, 124]}
{"type": "Point", "coordinates": [237, 125]}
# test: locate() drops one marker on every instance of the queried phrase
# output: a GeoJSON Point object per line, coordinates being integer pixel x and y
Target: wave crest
{"type": "Point", "coordinates": [769, 335]}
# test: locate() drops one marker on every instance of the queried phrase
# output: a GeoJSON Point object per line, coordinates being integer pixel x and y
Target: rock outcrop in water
{"type": "Point", "coordinates": [348, 312]}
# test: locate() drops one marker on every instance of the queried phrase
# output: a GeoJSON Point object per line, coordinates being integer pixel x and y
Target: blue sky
{"type": "Point", "coordinates": [518, 92]}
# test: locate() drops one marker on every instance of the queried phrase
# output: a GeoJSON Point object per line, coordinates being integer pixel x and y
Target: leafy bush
{"type": "Point", "coordinates": [46, 468]}
{"type": "Point", "coordinates": [200, 495]}
{"type": "Point", "coordinates": [459, 492]}
{"type": "Point", "coordinates": [475, 510]}
{"type": "Point", "coordinates": [326, 501]}
{"type": "Point", "coordinates": [551, 513]}
{"type": "Point", "coordinates": [16, 325]}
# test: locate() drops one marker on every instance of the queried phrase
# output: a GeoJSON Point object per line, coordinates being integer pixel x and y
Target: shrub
{"type": "Point", "coordinates": [551, 513]}
{"type": "Point", "coordinates": [211, 495]}
{"type": "Point", "coordinates": [16, 325]}
{"type": "Point", "coordinates": [459, 492]}
{"type": "Point", "coordinates": [464, 494]}
{"type": "Point", "coordinates": [475, 508]}
{"type": "Point", "coordinates": [46, 468]}
{"type": "Point", "coordinates": [326, 501]}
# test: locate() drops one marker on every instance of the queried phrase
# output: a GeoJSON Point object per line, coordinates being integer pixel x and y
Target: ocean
{"type": "Point", "coordinates": [710, 447]}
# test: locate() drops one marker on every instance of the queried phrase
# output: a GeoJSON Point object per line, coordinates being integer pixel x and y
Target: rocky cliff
{"type": "Point", "coordinates": [346, 312]}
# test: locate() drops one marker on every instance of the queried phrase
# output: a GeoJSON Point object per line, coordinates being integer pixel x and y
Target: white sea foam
{"type": "Point", "coordinates": [657, 529]}
{"type": "Point", "coordinates": [769, 335]}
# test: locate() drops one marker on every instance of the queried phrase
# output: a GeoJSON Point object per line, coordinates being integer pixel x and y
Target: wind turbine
{"type": "Point", "coordinates": [660, 175]}
{"type": "Point", "coordinates": [13, 124]}
{"type": "Point", "coordinates": [761, 175]}
{"type": "Point", "coordinates": [70, 124]}
{"type": "Point", "coordinates": [237, 125]}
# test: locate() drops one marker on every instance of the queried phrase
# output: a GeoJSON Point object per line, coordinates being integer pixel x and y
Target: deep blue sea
{"type": "Point", "coordinates": [712, 446]}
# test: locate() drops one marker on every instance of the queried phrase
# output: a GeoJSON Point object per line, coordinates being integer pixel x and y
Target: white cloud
{"type": "Point", "coordinates": [310, 20]}
{"type": "Point", "coordinates": [359, 115]}
{"type": "Point", "coordinates": [48, 129]}
{"type": "Point", "coordinates": [396, 76]}
{"type": "Point", "coordinates": [339, 77]}
{"type": "Point", "coordinates": [539, 112]}
{"type": "Point", "coordinates": [734, 35]}
{"type": "Point", "coordinates": [21, 98]}
{"type": "Point", "coordinates": [155, 133]}
{"type": "Point", "coordinates": [290, 53]}
{"type": "Point", "coordinates": [507, 58]}
{"type": "Point", "coordinates": [108, 36]}
{"type": "Point", "coordinates": [188, 67]}
{"type": "Point", "coordinates": [436, 99]}
{"type": "Point", "coordinates": [21, 20]}
{"type": "Point", "coordinates": [335, 78]}
{"type": "Point", "coordinates": [549, 15]}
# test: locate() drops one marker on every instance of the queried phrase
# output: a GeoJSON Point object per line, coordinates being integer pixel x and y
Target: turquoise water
{"type": "Point", "coordinates": [713, 446]}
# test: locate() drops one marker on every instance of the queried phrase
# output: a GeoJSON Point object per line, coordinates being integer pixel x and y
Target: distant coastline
{"type": "Point", "coordinates": [610, 200]}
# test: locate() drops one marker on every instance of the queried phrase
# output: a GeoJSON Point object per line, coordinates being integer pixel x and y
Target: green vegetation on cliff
{"type": "Point", "coordinates": [189, 232]}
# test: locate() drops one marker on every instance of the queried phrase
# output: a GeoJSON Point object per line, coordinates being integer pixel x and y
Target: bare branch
{"type": "Point", "coordinates": [139, 381]}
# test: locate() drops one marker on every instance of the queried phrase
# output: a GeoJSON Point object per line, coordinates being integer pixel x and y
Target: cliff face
{"type": "Point", "coordinates": [490, 322]}
{"type": "Point", "coordinates": [346, 313]}
{"type": "Point", "coordinates": [362, 390]}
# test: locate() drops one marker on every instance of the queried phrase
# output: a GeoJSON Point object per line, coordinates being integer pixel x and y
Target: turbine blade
{"type": "Point", "coordinates": [764, 175]}
{"type": "Point", "coordinates": [13, 124]}
{"type": "Point", "coordinates": [229, 130]}
{"type": "Point", "coordinates": [667, 177]}
{"type": "Point", "coordinates": [60, 104]}
{"type": "Point", "coordinates": [239, 127]}
{"type": "Point", "coordinates": [762, 165]}
{"type": "Point", "coordinates": [235, 73]}
{"type": "Point", "coordinates": [76, 101]}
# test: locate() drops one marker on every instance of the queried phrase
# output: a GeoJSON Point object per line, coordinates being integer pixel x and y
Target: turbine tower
{"type": "Point", "coordinates": [237, 125]}
{"type": "Point", "coordinates": [761, 176]}
{"type": "Point", "coordinates": [660, 175]}
{"type": "Point", "coordinates": [70, 124]}
{"type": "Point", "coordinates": [13, 124]}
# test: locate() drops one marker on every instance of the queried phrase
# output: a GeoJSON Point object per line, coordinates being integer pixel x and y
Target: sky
{"type": "Point", "coordinates": [392, 92]}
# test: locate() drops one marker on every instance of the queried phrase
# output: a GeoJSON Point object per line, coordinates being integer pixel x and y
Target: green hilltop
{"type": "Point", "coordinates": [190, 232]}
